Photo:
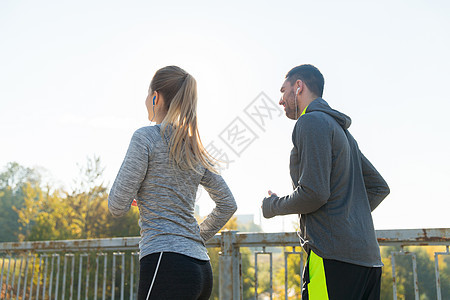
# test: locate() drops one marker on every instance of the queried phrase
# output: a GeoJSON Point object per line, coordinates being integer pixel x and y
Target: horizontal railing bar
{"type": "Point", "coordinates": [70, 245]}
{"type": "Point", "coordinates": [267, 239]}
{"type": "Point", "coordinates": [420, 237]}
{"type": "Point", "coordinates": [433, 236]}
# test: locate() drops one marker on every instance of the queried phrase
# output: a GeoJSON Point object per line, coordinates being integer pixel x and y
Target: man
{"type": "Point", "coordinates": [335, 190]}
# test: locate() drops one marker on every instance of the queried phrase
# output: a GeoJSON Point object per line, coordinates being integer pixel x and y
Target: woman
{"type": "Point", "coordinates": [162, 169]}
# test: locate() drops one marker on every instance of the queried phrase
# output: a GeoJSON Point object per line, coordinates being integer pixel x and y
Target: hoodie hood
{"type": "Point", "coordinates": [321, 105]}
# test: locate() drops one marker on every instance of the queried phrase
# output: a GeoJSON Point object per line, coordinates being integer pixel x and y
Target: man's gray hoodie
{"type": "Point", "coordinates": [335, 189]}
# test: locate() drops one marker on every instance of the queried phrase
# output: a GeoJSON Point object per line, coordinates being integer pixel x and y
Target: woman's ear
{"type": "Point", "coordinates": [159, 100]}
{"type": "Point", "coordinates": [155, 98]}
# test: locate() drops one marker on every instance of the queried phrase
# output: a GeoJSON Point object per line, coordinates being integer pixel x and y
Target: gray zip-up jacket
{"type": "Point", "coordinates": [165, 195]}
{"type": "Point", "coordinates": [335, 189]}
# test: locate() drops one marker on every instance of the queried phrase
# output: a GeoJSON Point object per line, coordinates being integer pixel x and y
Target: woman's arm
{"type": "Point", "coordinates": [225, 204]}
{"type": "Point", "coordinates": [130, 176]}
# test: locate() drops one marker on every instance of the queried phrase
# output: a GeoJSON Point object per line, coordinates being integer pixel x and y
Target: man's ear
{"type": "Point", "coordinates": [299, 85]}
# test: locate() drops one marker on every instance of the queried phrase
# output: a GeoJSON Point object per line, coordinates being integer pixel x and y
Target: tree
{"type": "Point", "coordinates": [86, 199]}
{"type": "Point", "coordinates": [48, 214]}
{"type": "Point", "coordinates": [89, 201]}
{"type": "Point", "coordinates": [444, 273]}
{"type": "Point", "coordinates": [8, 217]}
{"type": "Point", "coordinates": [13, 179]}
{"type": "Point", "coordinates": [386, 277]}
{"type": "Point", "coordinates": [27, 214]}
{"type": "Point", "coordinates": [294, 275]}
{"type": "Point", "coordinates": [54, 219]}
{"type": "Point", "coordinates": [404, 273]}
{"type": "Point", "coordinates": [15, 175]}
{"type": "Point", "coordinates": [127, 225]}
{"type": "Point", "coordinates": [214, 258]}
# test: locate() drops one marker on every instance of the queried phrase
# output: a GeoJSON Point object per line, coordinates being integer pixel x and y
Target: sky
{"type": "Point", "coordinates": [74, 76]}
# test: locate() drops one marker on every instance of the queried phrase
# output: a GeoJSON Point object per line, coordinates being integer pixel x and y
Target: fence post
{"type": "Point", "coordinates": [230, 267]}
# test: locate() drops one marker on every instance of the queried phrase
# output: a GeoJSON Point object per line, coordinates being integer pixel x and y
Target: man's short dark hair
{"type": "Point", "coordinates": [310, 75]}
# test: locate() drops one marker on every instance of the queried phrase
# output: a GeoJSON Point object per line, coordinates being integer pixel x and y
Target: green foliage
{"type": "Point", "coordinates": [214, 258]}
{"type": "Point", "coordinates": [386, 277]}
{"type": "Point", "coordinates": [404, 273]}
{"type": "Point", "coordinates": [295, 271]}
{"type": "Point", "coordinates": [444, 273]}
{"type": "Point", "coordinates": [13, 178]}
{"type": "Point", "coordinates": [8, 217]}
{"type": "Point", "coordinates": [30, 212]}
{"type": "Point", "coordinates": [248, 273]}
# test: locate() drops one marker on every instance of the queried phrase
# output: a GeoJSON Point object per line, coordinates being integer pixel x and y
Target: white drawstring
{"type": "Point", "coordinates": [154, 276]}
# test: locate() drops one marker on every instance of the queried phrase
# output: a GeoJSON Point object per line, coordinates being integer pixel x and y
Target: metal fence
{"type": "Point", "coordinates": [108, 268]}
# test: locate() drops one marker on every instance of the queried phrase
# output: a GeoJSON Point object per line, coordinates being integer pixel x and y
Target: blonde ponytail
{"type": "Point", "coordinates": [179, 90]}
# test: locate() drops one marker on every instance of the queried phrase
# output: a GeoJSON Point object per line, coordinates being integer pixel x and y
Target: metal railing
{"type": "Point", "coordinates": [106, 268]}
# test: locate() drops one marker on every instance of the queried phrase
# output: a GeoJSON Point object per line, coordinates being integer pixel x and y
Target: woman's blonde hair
{"type": "Point", "coordinates": [179, 90]}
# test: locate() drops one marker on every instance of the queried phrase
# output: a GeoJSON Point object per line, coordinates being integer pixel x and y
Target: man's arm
{"type": "Point", "coordinates": [376, 187]}
{"type": "Point", "coordinates": [312, 137]}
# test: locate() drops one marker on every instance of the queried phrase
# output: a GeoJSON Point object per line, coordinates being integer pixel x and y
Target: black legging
{"type": "Point", "coordinates": [177, 276]}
